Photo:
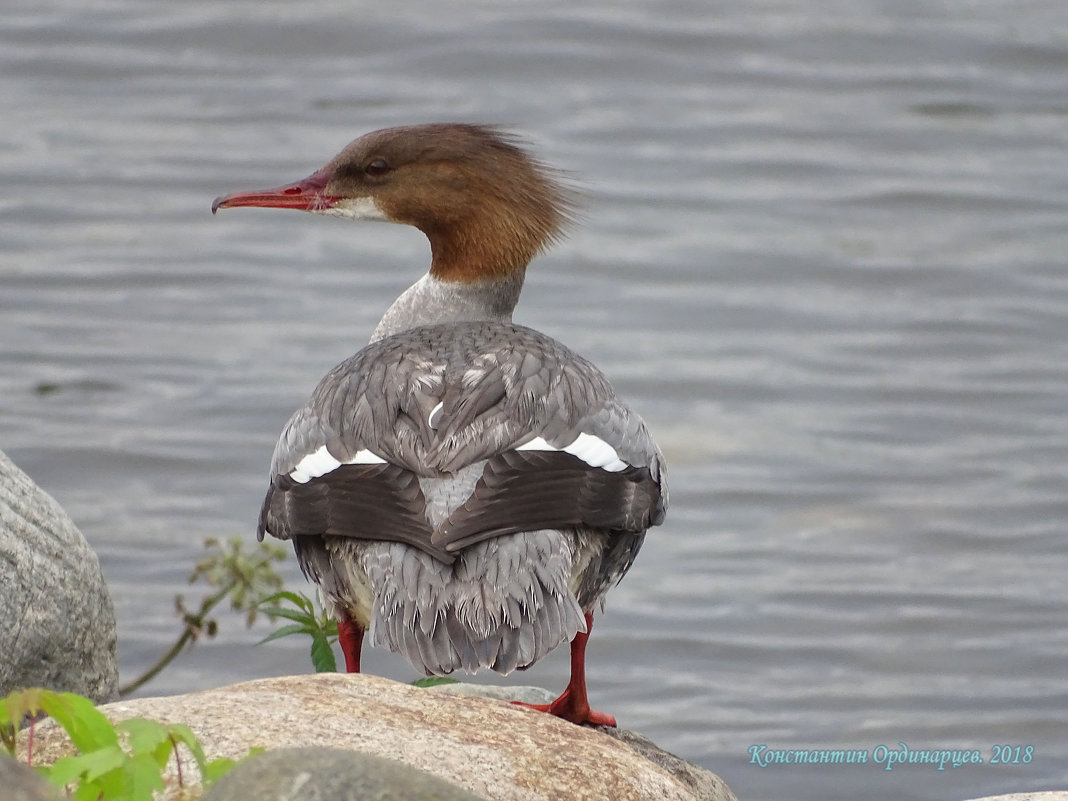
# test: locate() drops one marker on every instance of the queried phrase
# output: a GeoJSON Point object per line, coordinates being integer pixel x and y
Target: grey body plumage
{"type": "Point", "coordinates": [495, 552]}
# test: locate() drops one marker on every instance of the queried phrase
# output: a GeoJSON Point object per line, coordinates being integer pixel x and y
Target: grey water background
{"type": "Point", "coordinates": [823, 254]}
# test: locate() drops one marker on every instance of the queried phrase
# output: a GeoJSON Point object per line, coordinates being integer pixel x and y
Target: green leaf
{"type": "Point", "coordinates": [289, 614]}
{"type": "Point", "coordinates": [64, 770]}
{"type": "Point", "coordinates": [180, 733]}
{"type": "Point", "coordinates": [145, 736]}
{"type": "Point", "coordinates": [121, 763]}
{"type": "Point", "coordinates": [15, 707]}
{"type": "Point", "coordinates": [300, 601]}
{"type": "Point", "coordinates": [89, 730]}
{"type": "Point", "coordinates": [89, 791]}
{"type": "Point", "coordinates": [115, 784]}
{"type": "Point", "coordinates": [288, 595]}
{"type": "Point", "coordinates": [87, 766]}
{"type": "Point", "coordinates": [322, 655]}
{"type": "Point", "coordinates": [143, 777]}
{"type": "Point", "coordinates": [216, 769]}
{"type": "Point", "coordinates": [433, 681]}
{"type": "Point", "coordinates": [285, 631]}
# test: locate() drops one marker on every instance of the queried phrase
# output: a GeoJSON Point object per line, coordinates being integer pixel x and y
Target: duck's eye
{"type": "Point", "coordinates": [377, 168]}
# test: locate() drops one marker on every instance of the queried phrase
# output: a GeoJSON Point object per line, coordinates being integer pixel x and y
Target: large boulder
{"type": "Point", "coordinates": [332, 774]}
{"type": "Point", "coordinates": [20, 783]}
{"type": "Point", "coordinates": [488, 747]}
{"type": "Point", "coordinates": [58, 623]}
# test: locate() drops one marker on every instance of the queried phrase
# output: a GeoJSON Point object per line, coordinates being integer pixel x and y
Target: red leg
{"type": "Point", "coordinates": [350, 636]}
{"type": "Point", "coordinates": [573, 705]}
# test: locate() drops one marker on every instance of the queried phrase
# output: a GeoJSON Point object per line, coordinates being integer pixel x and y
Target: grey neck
{"type": "Point", "coordinates": [430, 301]}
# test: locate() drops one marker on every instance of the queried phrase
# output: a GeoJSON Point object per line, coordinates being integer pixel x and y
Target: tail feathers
{"type": "Point", "coordinates": [503, 605]}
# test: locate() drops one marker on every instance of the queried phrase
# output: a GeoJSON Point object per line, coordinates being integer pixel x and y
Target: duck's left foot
{"type": "Point", "coordinates": [574, 711]}
{"type": "Point", "coordinates": [573, 704]}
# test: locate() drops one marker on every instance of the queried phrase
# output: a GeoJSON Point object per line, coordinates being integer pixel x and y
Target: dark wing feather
{"type": "Point", "coordinates": [530, 490]}
{"type": "Point", "coordinates": [368, 502]}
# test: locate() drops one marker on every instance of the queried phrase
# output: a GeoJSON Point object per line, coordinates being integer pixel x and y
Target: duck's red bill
{"type": "Point", "coordinates": [306, 195]}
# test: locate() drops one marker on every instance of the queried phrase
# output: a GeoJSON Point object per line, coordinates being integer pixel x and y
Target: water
{"type": "Point", "coordinates": [823, 255]}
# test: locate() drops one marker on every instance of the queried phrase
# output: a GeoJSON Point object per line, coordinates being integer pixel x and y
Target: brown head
{"type": "Point", "coordinates": [486, 206]}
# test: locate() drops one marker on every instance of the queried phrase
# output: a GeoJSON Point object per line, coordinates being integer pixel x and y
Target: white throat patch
{"type": "Point", "coordinates": [356, 208]}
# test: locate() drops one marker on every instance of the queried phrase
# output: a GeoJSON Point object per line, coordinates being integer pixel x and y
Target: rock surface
{"type": "Point", "coordinates": [528, 695]}
{"type": "Point", "coordinates": [20, 783]}
{"type": "Point", "coordinates": [491, 748]}
{"type": "Point", "coordinates": [332, 774]}
{"type": "Point", "coordinates": [703, 783]}
{"type": "Point", "coordinates": [1043, 795]}
{"type": "Point", "coordinates": [58, 627]}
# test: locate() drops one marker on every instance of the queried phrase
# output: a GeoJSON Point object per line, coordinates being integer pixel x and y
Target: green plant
{"type": "Point", "coordinates": [434, 681]}
{"type": "Point", "coordinates": [124, 762]}
{"type": "Point", "coordinates": [244, 578]}
{"type": "Point", "coordinates": [306, 619]}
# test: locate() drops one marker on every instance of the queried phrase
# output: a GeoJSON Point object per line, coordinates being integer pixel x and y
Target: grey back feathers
{"type": "Point", "coordinates": [472, 486]}
{"type": "Point", "coordinates": [434, 400]}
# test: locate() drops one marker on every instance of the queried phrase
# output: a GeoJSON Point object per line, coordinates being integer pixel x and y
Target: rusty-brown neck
{"type": "Point", "coordinates": [481, 250]}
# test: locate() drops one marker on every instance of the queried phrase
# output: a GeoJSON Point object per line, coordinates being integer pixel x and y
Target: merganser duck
{"type": "Point", "coordinates": [464, 488]}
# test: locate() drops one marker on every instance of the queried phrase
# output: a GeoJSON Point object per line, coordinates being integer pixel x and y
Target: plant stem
{"type": "Point", "coordinates": [177, 760]}
{"type": "Point", "coordinates": [193, 624]}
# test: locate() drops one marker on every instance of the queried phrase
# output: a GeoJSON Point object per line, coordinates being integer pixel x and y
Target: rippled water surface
{"type": "Point", "coordinates": [823, 254]}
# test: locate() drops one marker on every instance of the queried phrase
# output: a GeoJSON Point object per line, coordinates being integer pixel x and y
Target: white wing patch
{"type": "Point", "coordinates": [321, 462]}
{"type": "Point", "coordinates": [433, 416]}
{"type": "Point", "coordinates": [366, 457]}
{"type": "Point", "coordinates": [594, 451]}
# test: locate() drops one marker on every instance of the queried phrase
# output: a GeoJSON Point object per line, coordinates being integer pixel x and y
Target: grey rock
{"type": "Point", "coordinates": [1041, 795]}
{"type": "Point", "coordinates": [491, 748]}
{"type": "Point", "coordinates": [524, 694]}
{"type": "Point", "coordinates": [704, 783]}
{"type": "Point", "coordinates": [332, 774]}
{"type": "Point", "coordinates": [58, 627]}
{"type": "Point", "coordinates": [19, 783]}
